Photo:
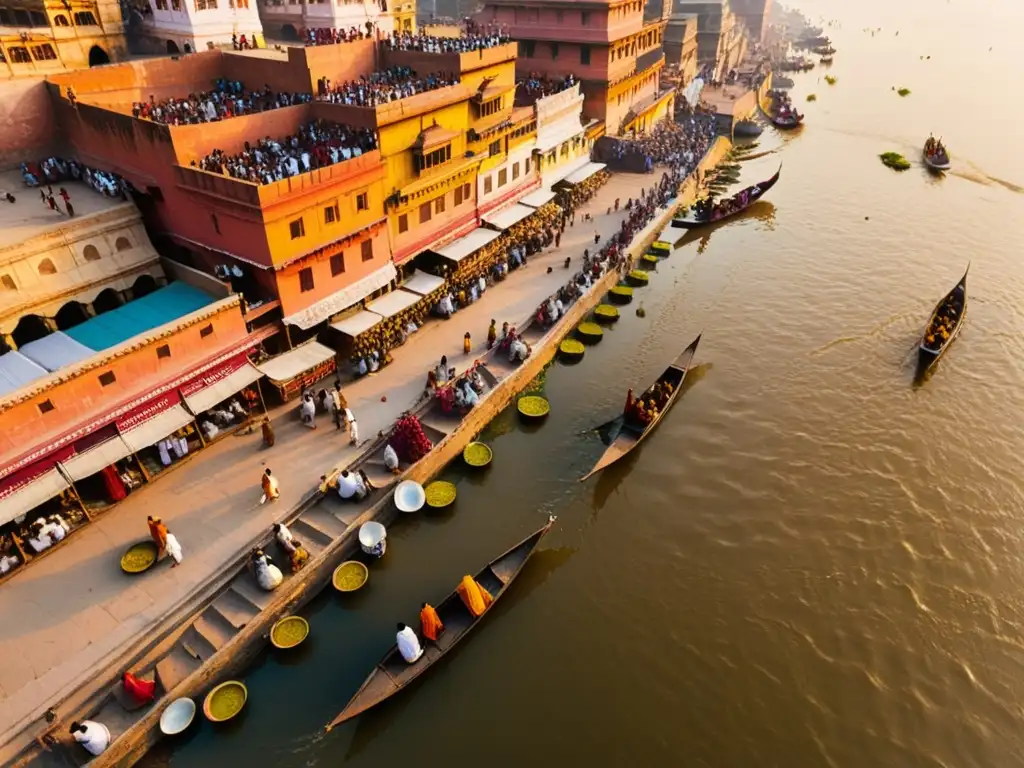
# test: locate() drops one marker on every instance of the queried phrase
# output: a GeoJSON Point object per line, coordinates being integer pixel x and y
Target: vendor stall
{"type": "Point", "coordinates": [293, 371]}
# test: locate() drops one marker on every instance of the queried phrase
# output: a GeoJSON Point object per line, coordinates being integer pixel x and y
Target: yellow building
{"type": "Point", "coordinates": [38, 37]}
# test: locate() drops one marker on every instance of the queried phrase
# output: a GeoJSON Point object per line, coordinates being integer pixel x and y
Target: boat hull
{"type": "Point", "coordinates": [689, 222]}
{"type": "Point", "coordinates": [928, 357]}
{"type": "Point", "coordinates": [935, 165]}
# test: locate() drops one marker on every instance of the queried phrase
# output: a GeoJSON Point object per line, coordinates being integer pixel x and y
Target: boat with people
{"type": "Point", "coordinates": [747, 129]}
{"type": "Point", "coordinates": [943, 326]}
{"type": "Point", "coordinates": [642, 414]}
{"type": "Point", "coordinates": [707, 211]}
{"type": "Point", "coordinates": [936, 157]}
{"type": "Point", "coordinates": [824, 50]}
{"type": "Point", "coordinates": [452, 620]}
{"type": "Point", "coordinates": [781, 113]}
{"type": "Point", "coordinates": [800, 64]}
{"type": "Point", "coordinates": [826, 59]}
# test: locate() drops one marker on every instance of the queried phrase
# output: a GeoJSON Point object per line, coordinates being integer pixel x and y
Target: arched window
{"type": "Point", "coordinates": [107, 300]}
{"type": "Point", "coordinates": [123, 244]}
{"type": "Point", "coordinates": [91, 253]}
{"type": "Point", "coordinates": [46, 267]}
{"type": "Point", "coordinates": [8, 283]}
{"type": "Point", "coordinates": [71, 314]}
{"type": "Point", "coordinates": [60, 20]}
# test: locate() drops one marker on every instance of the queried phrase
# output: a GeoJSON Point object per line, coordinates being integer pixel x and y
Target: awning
{"type": "Point", "coordinates": [554, 175]}
{"type": "Point", "coordinates": [56, 351]}
{"type": "Point", "coordinates": [28, 496]}
{"type": "Point", "coordinates": [423, 283]}
{"type": "Point", "coordinates": [583, 173]}
{"type": "Point", "coordinates": [157, 428]}
{"type": "Point", "coordinates": [16, 371]}
{"type": "Point", "coordinates": [538, 198]}
{"type": "Point", "coordinates": [506, 217]}
{"type": "Point", "coordinates": [391, 304]}
{"type": "Point", "coordinates": [218, 384]}
{"type": "Point", "coordinates": [471, 243]}
{"type": "Point", "coordinates": [92, 455]}
{"type": "Point", "coordinates": [343, 299]}
{"type": "Point", "coordinates": [299, 360]}
{"type": "Point", "coordinates": [358, 323]}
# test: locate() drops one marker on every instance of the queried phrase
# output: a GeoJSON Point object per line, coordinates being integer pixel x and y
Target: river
{"type": "Point", "coordinates": [812, 562]}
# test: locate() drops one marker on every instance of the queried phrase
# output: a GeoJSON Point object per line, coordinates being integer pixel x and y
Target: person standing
{"type": "Point", "coordinates": [67, 202]}
{"type": "Point", "coordinates": [158, 531]}
{"type": "Point", "coordinates": [174, 549]}
{"type": "Point", "coordinates": [467, 344]}
{"type": "Point", "coordinates": [307, 410]}
{"type": "Point", "coordinates": [268, 432]}
{"type": "Point", "coordinates": [271, 490]}
{"type": "Point", "coordinates": [492, 334]}
{"type": "Point", "coordinates": [353, 427]}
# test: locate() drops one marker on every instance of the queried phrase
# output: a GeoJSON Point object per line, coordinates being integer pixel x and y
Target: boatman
{"type": "Point", "coordinates": [408, 644]}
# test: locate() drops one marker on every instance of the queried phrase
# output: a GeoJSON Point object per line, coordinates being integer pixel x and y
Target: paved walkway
{"type": "Point", "coordinates": [74, 613]}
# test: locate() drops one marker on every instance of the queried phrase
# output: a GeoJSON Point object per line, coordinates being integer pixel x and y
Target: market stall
{"type": "Point", "coordinates": [297, 369]}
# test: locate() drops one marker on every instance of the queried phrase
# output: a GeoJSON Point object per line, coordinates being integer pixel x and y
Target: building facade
{"type": "Point", "coordinates": [38, 38]}
{"type": "Point", "coordinates": [721, 37]}
{"type": "Point", "coordinates": [754, 14]}
{"type": "Point", "coordinates": [290, 19]}
{"type": "Point", "coordinates": [608, 46]}
{"type": "Point", "coordinates": [188, 26]}
{"type": "Point", "coordinates": [681, 46]}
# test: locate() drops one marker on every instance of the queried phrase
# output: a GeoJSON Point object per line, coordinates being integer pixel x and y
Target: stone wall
{"type": "Point", "coordinates": [28, 129]}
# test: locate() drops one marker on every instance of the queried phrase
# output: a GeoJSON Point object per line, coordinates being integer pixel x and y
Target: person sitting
{"type": "Point", "coordinates": [474, 597]}
{"type": "Point", "coordinates": [430, 622]}
{"type": "Point", "coordinates": [283, 535]}
{"type": "Point", "coordinates": [298, 556]}
{"type": "Point", "coordinates": [92, 735]}
{"type": "Point", "coordinates": [408, 644]}
{"type": "Point", "coordinates": [268, 575]}
{"type": "Point", "coordinates": [350, 486]}
{"type": "Point", "coordinates": [39, 540]}
{"type": "Point", "coordinates": [391, 460]}
{"type": "Point", "coordinates": [140, 691]}
{"type": "Point", "coordinates": [630, 403]}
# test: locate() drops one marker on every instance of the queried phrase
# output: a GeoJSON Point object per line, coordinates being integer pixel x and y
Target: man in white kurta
{"type": "Point", "coordinates": [93, 736]}
{"type": "Point", "coordinates": [408, 644]}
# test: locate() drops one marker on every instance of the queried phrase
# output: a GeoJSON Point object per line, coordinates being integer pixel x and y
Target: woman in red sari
{"type": "Point", "coordinates": [142, 691]}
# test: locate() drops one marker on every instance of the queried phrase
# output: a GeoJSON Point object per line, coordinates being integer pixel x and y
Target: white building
{"type": "Point", "coordinates": [187, 26]}
{"type": "Point", "coordinates": [289, 19]}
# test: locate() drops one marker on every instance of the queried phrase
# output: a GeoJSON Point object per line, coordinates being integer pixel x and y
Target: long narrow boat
{"type": "Point", "coordinates": [633, 432]}
{"type": "Point", "coordinates": [393, 674]}
{"type": "Point", "coordinates": [952, 307]}
{"type": "Point", "coordinates": [692, 219]}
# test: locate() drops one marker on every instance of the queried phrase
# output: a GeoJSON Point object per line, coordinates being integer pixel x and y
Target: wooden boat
{"type": "Point", "coordinates": [747, 129]}
{"type": "Point", "coordinates": [929, 354]}
{"type": "Point", "coordinates": [936, 161]}
{"type": "Point", "coordinates": [393, 674]}
{"type": "Point", "coordinates": [692, 220]}
{"type": "Point", "coordinates": [826, 59]}
{"type": "Point", "coordinates": [632, 433]}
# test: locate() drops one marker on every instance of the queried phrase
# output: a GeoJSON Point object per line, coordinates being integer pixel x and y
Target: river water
{"type": "Point", "coordinates": [812, 562]}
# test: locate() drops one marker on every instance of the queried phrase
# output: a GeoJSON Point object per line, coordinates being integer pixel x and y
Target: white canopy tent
{"type": "Point", "coordinates": [583, 173]}
{"type": "Point", "coordinates": [506, 217]}
{"type": "Point", "coordinates": [357, 323]}
{"type": "Point", "coordinates": [289, 365]}
{"type": "Point", "coordinates": [471, 243]}
{"type": "Point", "coordinates": [391, 304]}
{"type": "Point", "coordinates": [538, 198]}
{"type": "Point", "coordinates": [423, 283]}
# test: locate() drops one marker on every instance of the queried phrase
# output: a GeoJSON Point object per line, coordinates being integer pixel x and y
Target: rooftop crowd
{"type": "Point", "coordinates": [406, 41]}
{"type": "Point", "coordinates": [332, 36]}
{"type": "Point", "coordinates": [382, 87]}
{"type": "Point", "coordinates": [228, 98]}
{"type": "Point", "coordinates": [315, 145]}
{"type": "Point", "coordinates": [537, 86]}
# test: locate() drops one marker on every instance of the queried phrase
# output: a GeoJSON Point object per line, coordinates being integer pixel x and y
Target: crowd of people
{"type": "Point", "coordinates": [407, 41]}
{"type": "Point", "coordinates": [333, 36]}
{"type": "Point", "coordinates": [227, 98]}
{"type": "Point", "coordinates": [679, 145]}
{"type": "Point", "coordinates": [382, 87]}
{"type": "Point", "coordinates": [317, 144]}
{"type": "Point", "coordinates": [537, 85]}
{"type": "Point", "coordinates": [53, 170]}
{"type": "Point", "coordinates": [646, 408]}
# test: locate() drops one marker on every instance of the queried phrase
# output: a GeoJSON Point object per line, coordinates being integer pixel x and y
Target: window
{"type": "Point", "coordinates": [367, 247]}
{"type": "Point", "coordinates": [434, 158]}
{"type": "Point", "coordinates": [19, 55]}
{"type": "Point", "coordinates": [86, 19]}
{"type": "Point", "coordinates": [306, 279]}
{"type": "Point", "coordinates": [490, 107]}
{"type": "Point", "coordinates": [38, 19]}
{"type": "Point", "coordinates": [337, 264]}
{"type": "Point", "coordinates": [554, 50]}
{"type": "Point", "coordinates": [488, 185]}
{"type": "Point", "coordinates": [584, 54]}
{"type": "Point", "coordinates": [362, 202]}
{"type": "Point", "coordinates": [21, 18]}
{"type": "Point", "coordinates": [298, 229]}
{"type": "Point", "coordinates": [585, 18]}
{"type": "Point", "coordinates": [6, 17]}
{"type": "Point", "coordinates": [526, 165]}
{"type": "Point", "coordinates": [458, 195]}
{"type": "Point", "coordinates": [515, 171]}
{"type": "Point", "coordinates": [526, 49]}
{"type": "Point", "coordinates": [502, 177]}
{"type": "Point", "coordinates": [43, 52]}
{"type": "Point", "coordinates": [206, 331]}
{"type": "Point", "coordinates": [403, 223]}
{"type": "Point", "coordinates": [46, 406]}
{"type": "Point", "coordinates": [206, 5]}
{"type": "Point", "coordinates": [108, 378]}
{"type": "Point", "coordinates": [213, 220]}
{"type": "Point", "coordinates": [330, 214]}
{"type": "Point", "coordinates": [467, 192]}
{"type": "Point", "coordinates": [161, 5]}
{"type": "Point", "coordinates": [164, 350]}
{"type": "Point", "coordinates": [46, 266]}
{"type": "Point", "coordinates": [495, 148]}
{"type": "Point", "coordinates": [425, 213]}
{"type": "Point", "coordinates": [439, 204]}
{"type": "Point", "coordinates": [8, 283]}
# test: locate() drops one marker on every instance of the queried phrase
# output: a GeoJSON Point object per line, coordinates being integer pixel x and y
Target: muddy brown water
{"type": "Point", "coordinates": [811, 562]}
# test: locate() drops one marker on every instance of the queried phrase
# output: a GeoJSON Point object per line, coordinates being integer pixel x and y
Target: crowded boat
{"type": "Point", "coordinates": [935, 153]}
{"type": "Point", "coordinates": [645, 409]}
{"type": "Point", "coordinates": [945, 320]}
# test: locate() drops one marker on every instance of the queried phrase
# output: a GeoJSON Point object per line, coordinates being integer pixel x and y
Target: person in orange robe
{"type": "Point", "coordinates": [158, 531]}
{"type": "Point", "coordinates": [430, 622]}
{"type": "Point", "coordinates": [474, 597]}
{"type": "Point", "coordinates": [629, 402]}
{"type": "Point", "coordinates": [142, 691]}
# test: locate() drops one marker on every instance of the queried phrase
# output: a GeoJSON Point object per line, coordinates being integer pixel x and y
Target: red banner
{"type": "Point", "coordinates": [22, 477]}
{"type": "Point", "coordinates": [212, 376]}
{"type": "Point", "coordinates": [147, 410]}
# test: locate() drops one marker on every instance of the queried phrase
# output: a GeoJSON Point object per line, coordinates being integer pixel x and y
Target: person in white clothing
{"type": "Point", "coordinates": [308, 411]}
{"type": "Point", "coordinates": [391, 459]}
{"type": "Point", "coordinates": [353, 428]}
{"type": "Point", "coordinates": [174, 549]}
{"type": "Point", "coordinates": [164, 448]}
{"type": "Point", "coordinates": [92, 735]}
{"type": "Point", "coordinates": [283, 535]}
{"type": "Point", "coordinates": [408, 644]}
